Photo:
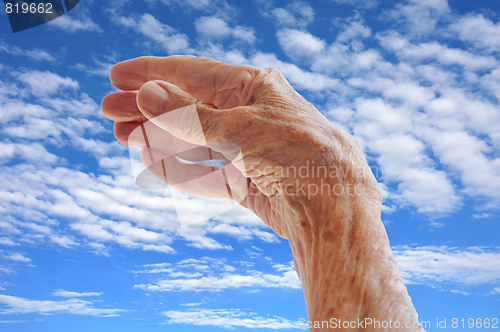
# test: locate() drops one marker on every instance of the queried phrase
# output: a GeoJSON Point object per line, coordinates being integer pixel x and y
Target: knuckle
{"type": "Point", "coordinates": [272, 72]}
{"type": "Point", "coordinates": [250, 69]}
{"type": "Point", "coordinates": [211, 121]}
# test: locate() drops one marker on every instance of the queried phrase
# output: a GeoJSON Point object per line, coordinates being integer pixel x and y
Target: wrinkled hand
{"type": "Point", "coordinates": [256, 109]}
{"type": "Point", "coordinates": [305, 178]}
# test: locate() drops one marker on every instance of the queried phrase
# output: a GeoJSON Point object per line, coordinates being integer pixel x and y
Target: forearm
{"type": "Point", "coordinates": [346, 266]}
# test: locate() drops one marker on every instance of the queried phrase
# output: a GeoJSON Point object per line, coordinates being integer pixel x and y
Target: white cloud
{"type": "Point", "coordinates": [480, 31]}
{"type": "Point", "coordinates": [7, 242]}
{"type": "Point", "coordinates": [482, 215]}
{"type": "Point", "coordinates": [63, 241]}
{"type": "Point", "coordinates": [386, 133]}
{"type": "Point", "coordinates": [12, 109]}
{"type": "Point", "coordinates": [64, 293]}
{"type": "Point", "coordinates": [41, 129]}
{"type": "Point", "coordinates": [435, 51]}
{"type": "Point", "coordinates": [159, 248]}
{"type": "Point", "coordinates": [197, 238]}
{"type": "Point", "coordinates": [479, 174]}
{"type": "Point", "coordinates": [125, 234]}
{"type": "Point", "coordinates": [449, 56]}
{"type": "Point", "coordinates": [88, 200]}
{"type": "Point", "coordinates": [6, 270]}
{"type": "Point", "coordinates": [46, 83]}
{"type": "Point", "coordinates": [238, 215]}
{"type": "Point", "coordinates": [353, 29]}
{"type": "Point", "coordinates": [205, 278]}
{"type": "Point", "coordinates": [298, 44]}
{"type": "Point", "coordinates": [227, 318]}
{"type": "Point", "coordinates": [301, 79]}
{"type": "Point", "coordinates": [98, 249]}
{"type": "Point", "coordinates": [218, 7]}
{"type": "Point", "coordinates": [65, 115]}
{"type": "Point", "coordinates": [157, 32]}
{"type": "Point", "coordinates": [34, 153]}
{"type": "Point", "coordinates": [99, 68]}
{"type": "Point", "coordinates": [414, 106]}
{"type": "Point", "coordinates": [156, 268]}
{"type": "Point", "coordinates": [152, 28]}
{"type": "Point", "coordinates": [345, 56]}
{"type": "Point", "coordinates": [296, 14]}
{"type": "Point", "coordinates": [34, 54]}
{"type": "Point", "coordinates": [420, 17]}
{"type": "Point", "coordinates": [68, 199]}
{"type": "Point", "coordinates": [363, 4]}
{"type": "Point", "coordinates": [228, 281]}
{"type": "Point", "coordinates": [245, 34]}
{"type": "Point", "coordinates": [17, 257]}
{"type": "Point", "coordinates": [96, 147]}
{"type": "Point", "coordinates": [19, 305]}
{"type": "Point", "coordinates": [76, 21]}
{"type": "Point", "coordinates": [431, 264]}
{"type": "Point", "coordinates": [34, 128]}
{"type": "Point", "coordinates": [192, 4]}
{"type": "Point", "coordinates": [72, 25]}
{"type": "Point", "coordinates": [157, 265]}
{"type": "Point", "coordinates": [240, 232]}
{"type": "Point", "coordinates": [8, 228]}
{"type": "Point", "coordinates": [491, 82]}
{"type": "Point", "coordinates": [212, 27]}
{"type": "Point", "coordinates": [190, 304]}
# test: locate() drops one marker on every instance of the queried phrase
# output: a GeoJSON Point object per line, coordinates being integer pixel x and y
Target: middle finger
{"type": "Point", "coordinates": [122, 107]}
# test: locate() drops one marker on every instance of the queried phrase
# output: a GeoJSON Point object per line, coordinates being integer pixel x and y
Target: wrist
{"type": "Point", "coordinates": [347, 268]}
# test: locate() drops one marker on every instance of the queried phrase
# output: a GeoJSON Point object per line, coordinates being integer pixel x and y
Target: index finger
{"type": "Point", "coordinates": [209, 80]}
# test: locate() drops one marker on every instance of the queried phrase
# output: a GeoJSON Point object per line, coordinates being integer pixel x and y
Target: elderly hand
{"type": "Point", "coordinates": [305, 178]}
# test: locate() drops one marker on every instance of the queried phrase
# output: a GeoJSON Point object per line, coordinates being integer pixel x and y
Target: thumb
{"type": "Point", "coordinates": [188, 119]}
{"type": "Point", "coordinates": [176, 111]}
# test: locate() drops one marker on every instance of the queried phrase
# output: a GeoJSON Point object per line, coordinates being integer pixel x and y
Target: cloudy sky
{"type": "Point", "coordinates": [417, 82]}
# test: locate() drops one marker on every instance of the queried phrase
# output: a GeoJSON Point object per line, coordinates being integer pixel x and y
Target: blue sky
{"type": "Point", "coordinates": [416, 82]}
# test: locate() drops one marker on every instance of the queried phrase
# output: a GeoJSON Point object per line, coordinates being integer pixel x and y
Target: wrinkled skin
{"type": "Point", "coordinates": [254, 108]}
{"type": "Point", "coordinates": [334, 237]}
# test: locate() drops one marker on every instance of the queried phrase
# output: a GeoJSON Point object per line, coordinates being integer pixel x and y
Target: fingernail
{"type": "Point", "coordinates": [152, 98]}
